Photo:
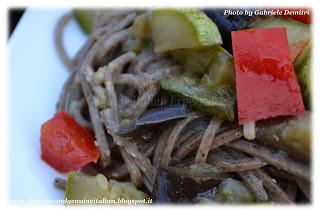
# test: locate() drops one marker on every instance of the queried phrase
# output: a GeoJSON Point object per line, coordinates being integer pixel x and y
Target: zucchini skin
{"type": "Point", "coordinates": [218, 102]}
{"type": "Point", "coordinates": [182, 28]}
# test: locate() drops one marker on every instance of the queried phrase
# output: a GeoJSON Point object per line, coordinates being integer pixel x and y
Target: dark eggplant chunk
{"type": "Point", "coordinates": [228, 23]}
{"type": "Point", "coordinates": [182, 185]}
{"type": "Point", "coordinates": [292, 135]}
{"type": "Point", "coordinates": [151, 119]}
{"type": "Point", "coordinates": [161, 115]}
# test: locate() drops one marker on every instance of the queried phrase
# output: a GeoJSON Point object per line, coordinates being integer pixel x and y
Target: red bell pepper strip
{"type": "Point", "coordinates": [288, 13]}
{"type": "Point", "coordinates": [65, 145]}
{"type": "Point", "coordinates": [265, 80]}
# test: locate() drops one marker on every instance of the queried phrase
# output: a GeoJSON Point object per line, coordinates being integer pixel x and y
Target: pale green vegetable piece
{"type": "Point", "coordinates": [213, 64]}
{"type": "Point", "coordinates": [85, 18]}
{"type": "Point", "coordinates": [234, 191]}
{"type": "Point", "coordinates": [303, 56]}
{"type": "Point", "coordinates": [84, 187]}
{"type": "Point", "coordinates": [141, 28]}
{"type": "Point", "coordinates": [291, 135]}
{"type": "Point", "coordinates": [98, 187]}
{"type": "Point", "coordinates": [220, 71]}
{"type": "Point", "coordinates": [182, 28]}
{"type": "Point", "coordinates": [194, 60]}
{"type": "Point", "coordinates": [304, 77]}
{"type": "Point", "coordinates": [134, 44]}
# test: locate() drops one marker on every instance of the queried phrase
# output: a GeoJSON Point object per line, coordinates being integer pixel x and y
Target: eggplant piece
{"type": "Point", "coordinates": [291, 135]}
{"type": "Point", "coordinates": [228, 23]}
{"type": "Point", "coordinates": [151, 119]}
{"type": "Point", "coordinates": [182, 185]}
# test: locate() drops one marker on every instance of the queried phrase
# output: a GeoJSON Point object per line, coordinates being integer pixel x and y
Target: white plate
{"type": "Point", "coordinates": [36, 78]}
